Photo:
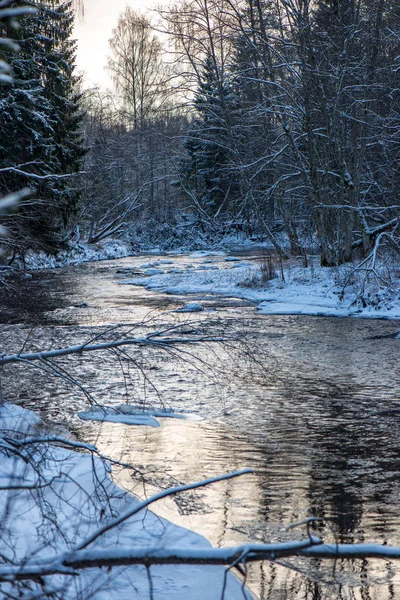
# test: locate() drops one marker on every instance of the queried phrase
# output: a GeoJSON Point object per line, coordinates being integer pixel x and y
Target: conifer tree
{"type": "Point", "coordinates": [40, 140]}
{"type": "Point", "coordinates": [210, 144]}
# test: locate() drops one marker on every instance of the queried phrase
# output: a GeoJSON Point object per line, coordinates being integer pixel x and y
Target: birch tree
{"type": "Point", "coordinates": [136, 67]}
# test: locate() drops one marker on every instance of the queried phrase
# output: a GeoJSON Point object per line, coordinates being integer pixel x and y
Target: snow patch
{"type": "Point", "coordinates": [79, 253]}
{"type": "Point", "coordinates": [134, 415]}
{"type": "Point", "coordinates": [308, 291]}
{"type": "Point", "coordinates": [153, 272]}
{"type": "Point", "coordinates": [190, 307]}
{"type": "Point", "coordinates": [15, 419]}
{"type": "Point", "coordinates": [149, 265]}
{"type": "Point", "coordinates": [77, 496]}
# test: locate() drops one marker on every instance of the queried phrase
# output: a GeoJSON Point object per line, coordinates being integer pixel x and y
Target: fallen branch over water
{"type": "Point", "coordinates": [233, 556]}
{"type": "Point", "coordinates": [149, 340]}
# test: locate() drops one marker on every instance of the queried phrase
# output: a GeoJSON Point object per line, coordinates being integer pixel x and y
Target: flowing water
{"type": "Point", "coordinates": [310, 403]}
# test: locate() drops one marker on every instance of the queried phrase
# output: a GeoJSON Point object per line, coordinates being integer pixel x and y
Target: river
{"type": "Point", "coordinates": [310, 403]}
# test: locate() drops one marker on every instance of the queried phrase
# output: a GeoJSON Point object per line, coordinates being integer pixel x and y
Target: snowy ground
{"type": "Point", "coordinates": [341, 291]}
{"type": "Point", "coordinates": [73, 495]}
{"type": "Point", "coordinates": [108, 249]}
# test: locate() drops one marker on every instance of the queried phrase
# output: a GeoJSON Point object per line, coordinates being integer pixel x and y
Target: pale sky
{"type": "Point", "coordinates": [93, 32]}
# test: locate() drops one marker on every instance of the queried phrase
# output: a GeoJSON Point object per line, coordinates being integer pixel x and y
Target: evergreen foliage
{"type": "Point", "coordinates": [40, 138]}
{"type": "Point", "coordinates": [210, 141]}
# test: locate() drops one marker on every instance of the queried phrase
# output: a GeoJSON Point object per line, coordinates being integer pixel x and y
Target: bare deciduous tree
{"type": "Point", "coordinates": [136, 67]}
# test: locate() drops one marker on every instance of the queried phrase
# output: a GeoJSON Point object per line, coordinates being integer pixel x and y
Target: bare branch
{"type": "Point", "coordinates": [36, 176]}
{"type": "Point", "coordinates": [154, 498]}
{"type": "Point", "coordinates": [144, 341]}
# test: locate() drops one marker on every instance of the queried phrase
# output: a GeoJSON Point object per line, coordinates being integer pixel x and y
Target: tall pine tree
{"type": "Point", "coordinates": [40, 140]}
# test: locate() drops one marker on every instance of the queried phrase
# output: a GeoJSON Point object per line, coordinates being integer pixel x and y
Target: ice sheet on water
{"type": "Point", "coordinates": [153, 271]}
{"type": "Point", "coordinates": [131, 414]}
{"type": "Point", "coordinates": [199, 254]}
{"type": "Point", "coordinates": [241, 264]}
{"type": "Point", "coordinates": [110, 417]}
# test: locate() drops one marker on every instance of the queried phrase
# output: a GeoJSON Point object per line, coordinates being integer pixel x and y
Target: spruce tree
{"type": "Point", "coordinates": [209, 142]}
{"type": "Point", "coordinates": [40, 140]}
{"type": "Point", "coordinates": [61, 90]}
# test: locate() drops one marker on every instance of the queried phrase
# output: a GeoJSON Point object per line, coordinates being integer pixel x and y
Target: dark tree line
{"type": "Point", "coordinates": [286, 118]}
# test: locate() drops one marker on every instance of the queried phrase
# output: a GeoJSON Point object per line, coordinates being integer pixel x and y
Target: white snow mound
{"type": "Point", "coordinates": [191, 307]}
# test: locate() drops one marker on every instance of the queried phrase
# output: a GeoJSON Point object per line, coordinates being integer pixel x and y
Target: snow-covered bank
{"type": "Point", "coordinates": [339, 291]}
{"type": "Point", "coordinates": [54, 498]}
{"type": "Point", "coordinates": [79, 253]}
{"type": "Point", "coordinates": [110, 248]}
{"type": "Point", "coordinates": [314, 290]}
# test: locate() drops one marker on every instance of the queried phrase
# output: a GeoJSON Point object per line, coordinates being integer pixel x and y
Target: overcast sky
{"type": "Point", "coordinates": [93, 32]}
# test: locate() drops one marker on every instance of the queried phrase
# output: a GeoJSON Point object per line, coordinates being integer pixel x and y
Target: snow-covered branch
{"type": "Point", "coordinates": [10, 14]}
{"type": "Point", "coordinates": [149, 556]}
{"type": "Point", "coordinates": [36, 176]}
{"type": "Point", "coordinates": [148, 340]}
{"type": "Point", "coordinates": [11, 200]}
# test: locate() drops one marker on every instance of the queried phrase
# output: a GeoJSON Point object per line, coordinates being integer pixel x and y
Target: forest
{"type": "Point", "coordinates": [277, 119]}
{"type": "Point", "coordinates": [268, 126]}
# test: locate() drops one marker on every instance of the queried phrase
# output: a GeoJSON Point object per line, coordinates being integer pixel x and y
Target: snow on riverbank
{"type": "Point", "coordinates": [313, 290]}
{"type": "Point", "coordinates": [60, 497]}
{"type": "Point", "coordinates": [340, 291]}
{"type": "Point", "coordinates": [108, 249]}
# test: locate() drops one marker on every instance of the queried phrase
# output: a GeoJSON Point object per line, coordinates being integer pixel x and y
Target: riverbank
{"type": "Point", "coordinates": [287, 288]}
{"type": "Point", "coordinates": [54, 498]}
{"type": "Point", "coordinates": [79, 253]}
{"type": "Point", "coordinates": [255, 274]}
{"type": "Point", "coordinates": [110, 249]}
